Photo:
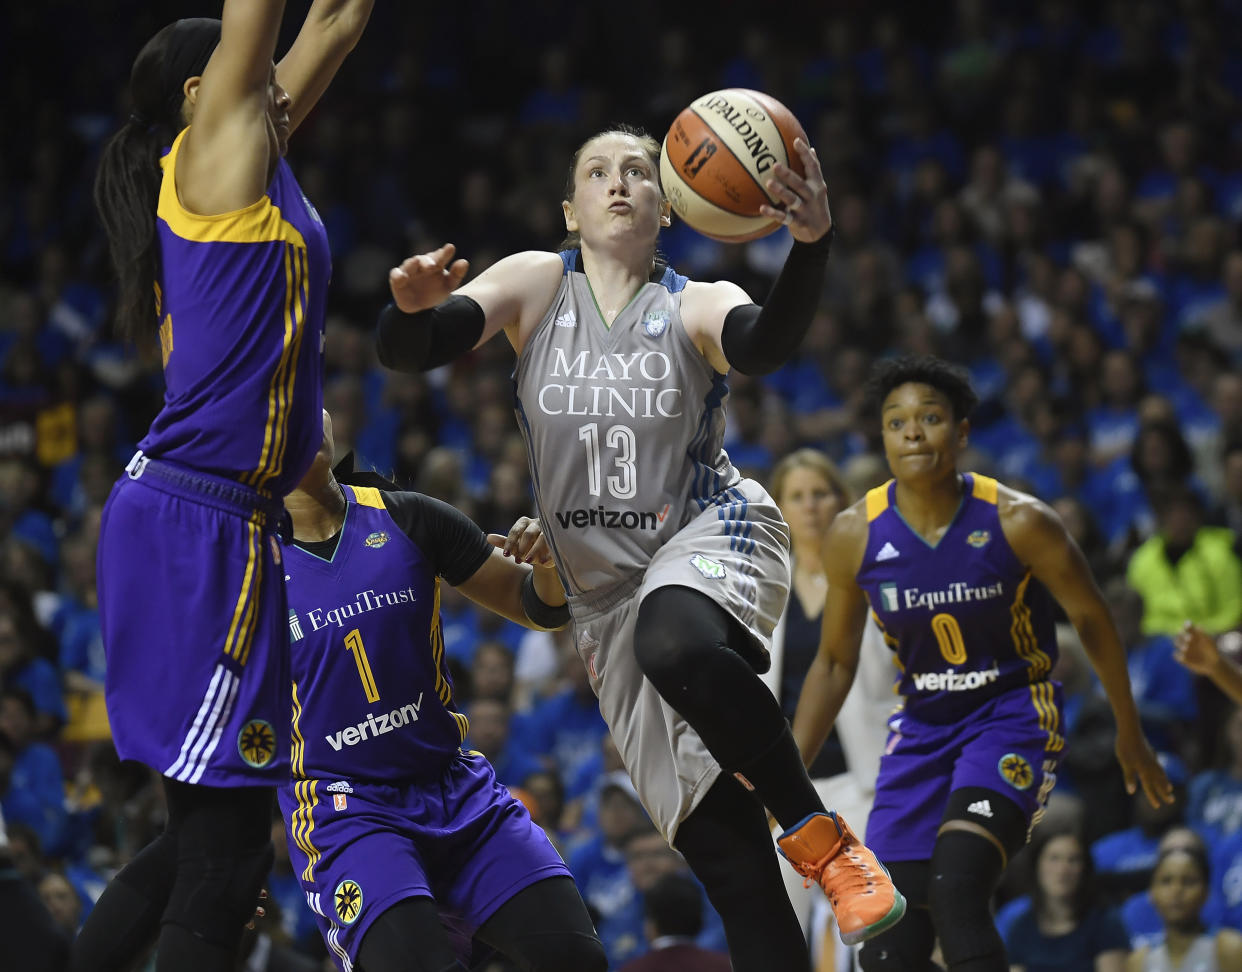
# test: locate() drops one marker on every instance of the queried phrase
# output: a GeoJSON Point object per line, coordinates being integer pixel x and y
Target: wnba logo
{"type": "Point", "coordinates": [256, 743]}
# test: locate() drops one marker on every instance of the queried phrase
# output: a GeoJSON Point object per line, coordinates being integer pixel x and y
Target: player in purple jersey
{"type": "Point", "coordinates": [959, 571]}
{"type": "Point", "coordinates": [677, 566]}
{"type": "Point", "coordinates": [389, 819]}
{"type": "Point", "coordinates": [221, 259]}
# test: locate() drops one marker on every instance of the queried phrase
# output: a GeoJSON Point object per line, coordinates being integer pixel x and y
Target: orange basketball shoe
{"type": "Point", "coordinates": [822, 848]}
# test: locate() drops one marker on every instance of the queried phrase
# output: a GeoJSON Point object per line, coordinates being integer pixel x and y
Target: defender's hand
{"type": "Point", "coordinates": [525, 543]}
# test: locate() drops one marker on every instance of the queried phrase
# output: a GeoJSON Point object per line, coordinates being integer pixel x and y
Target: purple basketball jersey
{"type": "Point", "coordinates": [371, 689]}
{"type": "Point", "coordinates": [965, 617]}
{"type": "Point", "coordinates": [241, 306]}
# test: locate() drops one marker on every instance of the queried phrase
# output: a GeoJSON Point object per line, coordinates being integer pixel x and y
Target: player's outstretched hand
{"type": "Point", "coordinates": [525, 543]}
{"type": "Point", "coordinates": [1196, 649]}
{"type": "Point", "coordinates": [1140, 766]}
{"type": "Point", "coordinates": [422, 281]}
{"type": "Point", "coordinates": [805, 198]}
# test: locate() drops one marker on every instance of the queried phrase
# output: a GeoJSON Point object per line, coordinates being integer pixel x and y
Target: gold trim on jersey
{"type": "Point", "coordinates": [280, 392]}
{"type": "Point", "coordinates": [1045, 703]}
{"type": "Point", "coordinates": [444, 690]}
{"type": "Point", "coordinates": [1022, 631]}
{"type": "Point", "coordinates": [241, 628]}
{"type": "Point", "coordinates": [260, 222]}
{"type": "Point", "coordinates": [302, 823]}
{"type": "Point", "coordinates": [368, 496]}
{"type": "Point", "coordinates": [877, 501]}
{"type": "Point", "coordinates": [984, 488]}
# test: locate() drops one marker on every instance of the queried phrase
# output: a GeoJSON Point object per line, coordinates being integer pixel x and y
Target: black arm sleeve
{"type": "Point", "coordinates": [758, 340]}
{"type": "Point", "coordinates": [451, 540]}
{"type": "Point", "coordinates": [428, 338]}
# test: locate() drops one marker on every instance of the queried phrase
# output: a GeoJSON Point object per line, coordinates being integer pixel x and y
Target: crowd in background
{"type": "Point", "coordinates": [1048, 193]}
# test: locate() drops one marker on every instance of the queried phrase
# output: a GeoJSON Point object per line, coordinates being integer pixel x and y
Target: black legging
{"type": "Point", "coordinates": [703, 663]}
{"type": "Point", "coordinates": [542, 928]}
{"type": "Point", "coordinates": [179, 874]}
{"type": "Point", "coordinates": [726, 842]}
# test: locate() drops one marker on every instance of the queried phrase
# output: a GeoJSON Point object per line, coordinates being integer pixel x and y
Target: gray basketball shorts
{"type": "Point", "coordinates": [737, 553]}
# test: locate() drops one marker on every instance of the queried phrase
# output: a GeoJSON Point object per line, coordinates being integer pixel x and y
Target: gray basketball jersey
{"type": "Point", "coordinates": [623, 427]}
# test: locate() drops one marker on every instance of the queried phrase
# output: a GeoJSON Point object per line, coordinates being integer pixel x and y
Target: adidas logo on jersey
{"type": "Point", "coordinates": [982, 807]}
{"type": "Point", "coordinates": [887, 552]}
{"type": "Point", "coordinates": [340, 786]}
{"type": "Point", "coordinates": [568, 319]}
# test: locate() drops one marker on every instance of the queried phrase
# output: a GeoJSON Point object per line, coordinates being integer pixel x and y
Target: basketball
{"type": "Point", "coordinates": [715, 160]}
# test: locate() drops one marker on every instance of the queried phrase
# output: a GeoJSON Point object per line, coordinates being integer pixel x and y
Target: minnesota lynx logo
{"type": "Point", "coordinates": [708, 568]}
{"type": "Point", "coordinates": [347, 901]}
{"type": "Point", "coordinates": [654, 322]}
{"type": "Point", "coordinates": [256, 743]}
{"type": "Point", "coordinates": [295, 626]}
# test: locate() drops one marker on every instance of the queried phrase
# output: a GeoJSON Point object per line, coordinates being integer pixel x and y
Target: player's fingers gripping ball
{"type": "Point", "coordinates": [719, 156]}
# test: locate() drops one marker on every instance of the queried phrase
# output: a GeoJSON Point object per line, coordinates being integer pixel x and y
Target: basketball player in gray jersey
{"type": "Point", "coordinates": [676, 567]}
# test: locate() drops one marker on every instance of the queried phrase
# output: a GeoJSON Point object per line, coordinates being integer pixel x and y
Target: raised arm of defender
{"type": "Point", "coordinates": [1039, 539]}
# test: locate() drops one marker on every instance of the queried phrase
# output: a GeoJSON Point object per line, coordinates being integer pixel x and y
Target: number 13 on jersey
{"type": "Point", "coordinates": [621, 438]}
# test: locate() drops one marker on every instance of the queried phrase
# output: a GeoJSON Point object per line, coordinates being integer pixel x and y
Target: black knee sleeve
{"type": "Point", "coordinates": [907, 945]}
{"type": "Point", "coordinates": [125, 921]}
{"type": "Point", "coordinates": [994, 812]}
{"type": "Point", "coordinates": [546, 928]}
{"type": "Point", "coordinates": [216, 892]}
{"type": "Point", "coordinates": [408, 937]}
{"type": "Point", "coordinates": [965, 869]}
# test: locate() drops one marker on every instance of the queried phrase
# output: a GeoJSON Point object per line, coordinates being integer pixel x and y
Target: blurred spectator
{"type": "Point", "coordinates": [491, 672]}
{"type": "Point", "coordinates": [1179, 890]}
{"type": "Point", "coordinates": [21, 668]}
{"type": "Point", "coordinates": [1123, 860]}
{"type": "Point", "coordinates": [1064, 929]}
{"type": "Point", "coordinates": [598, 866]}
{"type": "Point", "coordinates": [62, 902]}
{"type": "Point", "coordinates": [672, 917]}
{"type": "Point", "coordinates": [1187, 571]}
{"type": "Point", "coordinates": [1215, 802]}
{"type": "Point", "coordinates": [566, 728]}
{"type": "Point", "coordinates": [32, 790]}
{"type": "Point", "coordinates": [490, 722]}
{"type": "Point", "coordinates": [33, 939]}
{"type": "Point", "coordinates": [1163, 690]}
{"type": "Point", "coordinates": [1143, 922]}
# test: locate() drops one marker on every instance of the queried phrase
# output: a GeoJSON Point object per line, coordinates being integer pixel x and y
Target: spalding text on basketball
{"type": "Point", "coordinates": [759, 151]}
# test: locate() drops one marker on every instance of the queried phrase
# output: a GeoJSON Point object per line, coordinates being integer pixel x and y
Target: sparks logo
{"type": "Point", "coordinates": [979, 539]}
{"type": "Point", "coordinates": [347, 900]}
{"type": "Point", "coordinates": [1016, 771]}
{"type": "Point", "coordinates": [376, 540]}
{"type": "Point", "coordinates": [256, 743]}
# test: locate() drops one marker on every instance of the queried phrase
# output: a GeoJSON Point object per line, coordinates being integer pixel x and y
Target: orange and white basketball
{"type": "Point", "coordinates": [716, 158]}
